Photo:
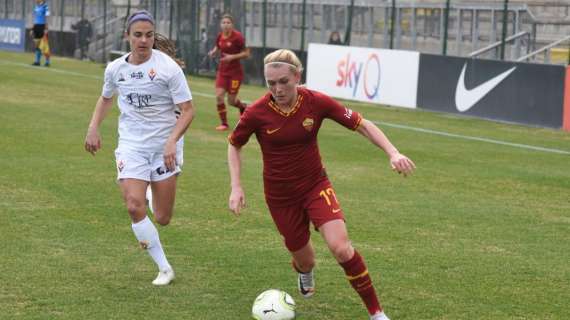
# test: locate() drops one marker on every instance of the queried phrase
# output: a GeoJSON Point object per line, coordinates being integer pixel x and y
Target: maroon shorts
{"type": "Point", "coordinates": [229, 83]}
{"type": "Point", "coordinates": [319, 206]}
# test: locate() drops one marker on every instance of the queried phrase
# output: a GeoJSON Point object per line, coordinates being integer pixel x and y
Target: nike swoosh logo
{"type": "Point", "coordinates": [465, 99]}
{"type": "Point", "coordinates": [272, 131]}
{"type": "Point", "coordinates": [335, 210]}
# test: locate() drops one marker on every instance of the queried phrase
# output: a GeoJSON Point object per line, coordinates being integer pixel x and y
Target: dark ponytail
{"type": "Point", "coordinates": [167, 46]}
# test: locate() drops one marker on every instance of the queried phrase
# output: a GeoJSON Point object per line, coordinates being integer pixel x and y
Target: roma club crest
{"type": "Point", "coordinates": [308, 124]}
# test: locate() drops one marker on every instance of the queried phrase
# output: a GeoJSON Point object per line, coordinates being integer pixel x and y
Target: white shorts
{"type": "Point", "coordinates": [147, 166]}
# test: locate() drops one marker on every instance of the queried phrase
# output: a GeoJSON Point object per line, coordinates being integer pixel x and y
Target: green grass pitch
{"type": "Point", "coordinates": [481, 231]}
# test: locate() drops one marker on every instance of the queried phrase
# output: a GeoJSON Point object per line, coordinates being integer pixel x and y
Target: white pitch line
{"type": "Point", "coordinates": [393, 125]}
{"type": "Point", "coordinates": [51, 69]}
{"type": "Point", "coordinates": [453, 135]}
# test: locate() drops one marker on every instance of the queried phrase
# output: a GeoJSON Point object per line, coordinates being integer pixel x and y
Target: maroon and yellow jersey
{"type": "Point", "coordinates": [233, 44]}
{"type": "Point", "coordinates": [291, 159]}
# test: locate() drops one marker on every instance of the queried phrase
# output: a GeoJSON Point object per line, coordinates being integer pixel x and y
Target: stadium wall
{"type": "Point", "coordinates": [523, 93]}
{"type": "Point", "coordinates": [253, 66]}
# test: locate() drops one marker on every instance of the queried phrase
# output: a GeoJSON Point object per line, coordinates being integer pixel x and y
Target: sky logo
{"type": "Point", "coordinates": [360, 75]}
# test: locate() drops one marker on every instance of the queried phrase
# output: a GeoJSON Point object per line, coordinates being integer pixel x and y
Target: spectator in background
{"type": "Point", "coordinates": [84, 32]}
{"type": "Point", "coordinates": [204, 59]}
{"type": "Point", "coordinates": [203, 39]}
{"type": "Point", "coordinates": [335, 38]}
{"type": "Point", "coordinates": [40, 30]}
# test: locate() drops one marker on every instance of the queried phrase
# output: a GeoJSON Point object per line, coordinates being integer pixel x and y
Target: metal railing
{"type": "Point", "coordinates": [546, 50]}
{"type": "Point", "coordinates": [415, 25]}
{"type": "Point", "coordinates": [408, 25]}
{"type": "Point", "coordinates": [497, 45]}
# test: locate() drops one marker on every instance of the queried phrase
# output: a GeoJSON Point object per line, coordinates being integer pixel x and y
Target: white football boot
{"type": "Point", "coordinates": [164, 278]}
{"type": "Point", "coordinates": [306, 284]}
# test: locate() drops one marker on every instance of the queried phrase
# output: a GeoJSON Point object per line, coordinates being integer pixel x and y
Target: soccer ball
{"type": "Point", "coordinates": [273, 304]}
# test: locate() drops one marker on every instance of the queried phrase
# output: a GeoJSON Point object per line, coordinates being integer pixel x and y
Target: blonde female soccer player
{"type": "Point", "coordinates": [152, 89]}
{"type": "Point", "coordinates": [297, 191]}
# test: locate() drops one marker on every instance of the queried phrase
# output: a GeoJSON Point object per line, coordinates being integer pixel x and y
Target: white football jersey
{"type": "Point", "coordinates": [148, 94]}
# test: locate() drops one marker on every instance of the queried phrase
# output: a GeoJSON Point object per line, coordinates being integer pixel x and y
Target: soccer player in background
{"type": "Point", "coordinates": [40, 28]}
{"type": "Point", "coordinates": [297, 191]}
{"type": "Point", "coordinates": [152, 88]}
{"type": "Point", "coordinates": [230, 44]}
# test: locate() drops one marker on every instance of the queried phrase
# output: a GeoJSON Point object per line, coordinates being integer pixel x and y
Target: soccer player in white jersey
{"type": "Point", "coordinates": [156, 109]}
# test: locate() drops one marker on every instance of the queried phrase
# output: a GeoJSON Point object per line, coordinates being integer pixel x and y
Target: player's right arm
{"type": "Point", "coordinates": [93, 139]}
{"type": "Point", "coordinates": [237, 139]}
{"type": "Point", "coordinates": [213, 52]}
{"type": "Point", "coordinates": [237, 197]}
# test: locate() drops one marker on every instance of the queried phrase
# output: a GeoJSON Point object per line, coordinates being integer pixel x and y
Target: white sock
{"type": "Point", "coordinates": [380, 316]}
{"type": "Point", "coordinates": [147, 234]}
{"type": "Point", "coordinates": [149, 198]}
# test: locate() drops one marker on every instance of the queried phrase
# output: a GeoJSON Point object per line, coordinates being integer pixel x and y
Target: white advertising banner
{"type": "Point", "coordinates": [364, 74]}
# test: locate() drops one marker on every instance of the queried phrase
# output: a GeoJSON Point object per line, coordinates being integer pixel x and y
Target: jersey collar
{"type": "Point", "coordinates": [296, 106]}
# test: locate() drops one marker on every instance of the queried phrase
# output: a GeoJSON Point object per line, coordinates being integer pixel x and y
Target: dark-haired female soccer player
{"type": "Point", "coordinates": [156, 109]}
{"type": "Point", "coordinates": [286, 122]}
{"type": "Point", "coordinates": [230, 43]}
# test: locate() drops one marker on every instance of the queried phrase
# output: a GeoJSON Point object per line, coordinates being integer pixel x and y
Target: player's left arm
{"type": "Point", "coordinates": [47, 13]}
{"type": "Point", "coordinates": [399, 162]}
{"type": "Point", "coordinates": [180, 128]}
{"type": "Point", "coordinates": [244, 54]}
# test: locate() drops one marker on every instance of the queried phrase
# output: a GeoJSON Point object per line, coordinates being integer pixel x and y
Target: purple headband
{"type": "Point", "coordinates": [140, 16]}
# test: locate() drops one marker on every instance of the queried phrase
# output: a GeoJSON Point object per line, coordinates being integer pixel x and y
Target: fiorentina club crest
{"type": "Point", "coordinates": [308, 124]}
{"type": "Point", "coordinates": [152, 74]}
{"type": "Point", "coordinates": [120, 165]}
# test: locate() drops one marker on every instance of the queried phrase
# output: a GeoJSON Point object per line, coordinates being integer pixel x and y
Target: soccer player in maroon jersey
{"type": "Point", "coordinates": [297, 191]}
{"type": "Point", "coordinates": [230, 43]}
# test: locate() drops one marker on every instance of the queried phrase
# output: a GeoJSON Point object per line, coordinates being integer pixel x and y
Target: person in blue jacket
{"type": "Point", "coordinates": [41, 12]}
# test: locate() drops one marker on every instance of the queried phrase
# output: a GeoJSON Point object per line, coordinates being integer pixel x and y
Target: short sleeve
{"type": "Point", "coordinates": [109, 86]}
{"type": "Point", "coordinates": [178, 87]}
{"type": "Point", "coordinates": [218, 40]}
{"type": "Point", "coordinates": [339, 113]}
{"type": "Point", "coordinates": [243, 130]}
{"type": "Point", "coordinates": [241, 42]}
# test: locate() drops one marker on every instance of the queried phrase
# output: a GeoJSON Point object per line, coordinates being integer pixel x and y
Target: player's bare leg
{"type": "Point", "coordinates": [163, 196]}
{"type": "Point", "coordinates": [304, 262]}
{"type": "Point", "coordinates": [134, 191]}
{"type": "Point", "coordinates": [37, 52]}
{"type": "Point", "coordinates": [234, 101]}
{"type": "Point", "coordinates": [221, 106]}
{"type": "Point", "coordinates": [336, 236]}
